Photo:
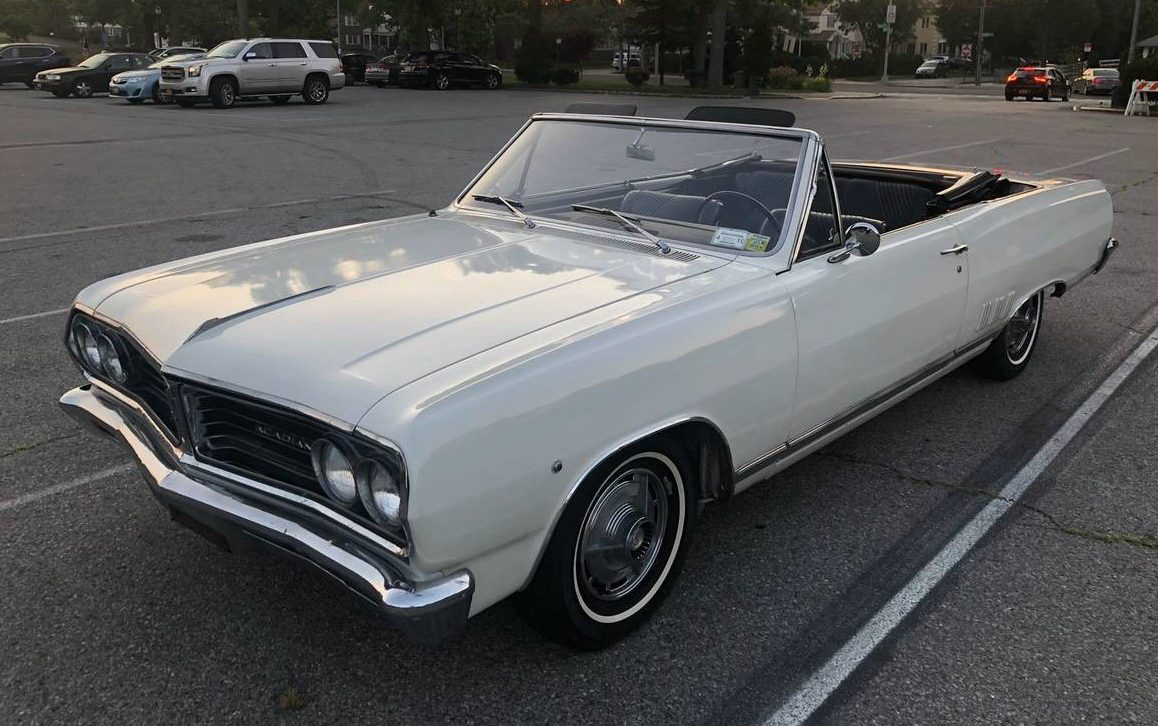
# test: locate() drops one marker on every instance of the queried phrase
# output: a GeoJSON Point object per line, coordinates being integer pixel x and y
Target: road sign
{"type": "Point", "coordinates": [967, 50]}
{"type": "Point", "coordinates": [1088, 47]}
{"type": "Point", "coordinates": [891, 14]}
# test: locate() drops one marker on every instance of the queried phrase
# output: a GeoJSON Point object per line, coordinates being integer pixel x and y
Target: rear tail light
{"type": "Point", "coordinates": [1040, 79]}
{"type": "Point", "coordinates": [1012, 78]}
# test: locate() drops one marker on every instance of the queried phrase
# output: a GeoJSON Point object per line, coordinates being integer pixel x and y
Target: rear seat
{"type": "Point", "coordinates": [897, 203]}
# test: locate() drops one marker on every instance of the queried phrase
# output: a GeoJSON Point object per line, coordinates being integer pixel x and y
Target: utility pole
{"type": "Point", "coordinates": [890, 18]}
{"type": "Point", "coordinates": [338, 23]}
{"type": "Point", "coordinates": [977, 46]}
{"type": "Point", "coordinates": [1134, 30]}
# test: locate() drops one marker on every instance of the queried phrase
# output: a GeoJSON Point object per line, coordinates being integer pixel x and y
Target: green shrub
{"type": "Point", "coordinates": [779, 76]}
{"type": "Point", "coordinates": [564, 75]}
{"type": "Point", "coordinates": [823, 85]}
{"type": "Point", "coordinates": [1143, 69]}
{"type": "Point", "coordinates": [535, 59]}
{"type": "Point", "coordinates": [636, 76]}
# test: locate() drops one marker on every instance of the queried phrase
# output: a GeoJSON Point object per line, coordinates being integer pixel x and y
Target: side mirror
{"type": "Point", "coordinates": [860, 237]}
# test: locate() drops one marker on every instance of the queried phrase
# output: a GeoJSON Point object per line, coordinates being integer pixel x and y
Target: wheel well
{"type": "Point", "coordinates": [323, 76]}
{"type": "Point", "coordinates": [708, 450]}
{"type": "Point", "coordinates": [226, 76]}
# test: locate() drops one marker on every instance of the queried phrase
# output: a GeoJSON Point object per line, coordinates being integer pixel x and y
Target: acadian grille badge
{"type": "Point", "coordinates": [286, 438]}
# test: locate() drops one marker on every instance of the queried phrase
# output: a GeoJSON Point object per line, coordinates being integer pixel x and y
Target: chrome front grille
{"type": "Point", "coordinates": [252, 438]}
{"type": "Point", "coordinates": [148, 386]}
{"type": "Point", "coordinates": [172, 73]}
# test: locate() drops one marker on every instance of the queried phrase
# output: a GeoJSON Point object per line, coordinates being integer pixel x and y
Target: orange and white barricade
{"type": "Point", "coordinates": [1142, 95]}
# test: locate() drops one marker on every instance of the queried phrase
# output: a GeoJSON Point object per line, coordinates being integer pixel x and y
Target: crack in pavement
{"type": "Point", "coordinates": [37, 444]}
{"type": "Point", "coordinates": [1144, 541]}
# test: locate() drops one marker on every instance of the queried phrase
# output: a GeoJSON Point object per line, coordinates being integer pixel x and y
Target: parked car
{"type": "Point", "coordinates": [354, 66]}
{"type": "Point", "coordinates": [442, 69]}
{"type": "Point", "coordinates": [932, 69]}
{"type": "Point", "coordinates": [90, 76]}
{"type": "Point", "coordinates": [621, 60]}
{"type": "Point", "coordinates": [534, 390]}
{"type": "Point", "coordinates": [248, 68]}
{"type": "Point", "coordinates": [383, 72]}
{"type": "Point", "coordinates": [175, 50]}
{"type": "Point", "coordinates": [1043, 82]}
{"type": "Point", "coordinates": [1097, 80]}
{"type": "Point", "coordinates": [144, 84]}
{"type": "Point", "coordinates": [20, 62]}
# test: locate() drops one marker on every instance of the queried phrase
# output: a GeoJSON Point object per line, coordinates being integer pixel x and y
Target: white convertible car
{"type": "Point", "coordinates": [535, 390]}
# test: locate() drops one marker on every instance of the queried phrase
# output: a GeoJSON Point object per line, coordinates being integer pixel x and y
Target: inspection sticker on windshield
{"type": "Point", "coordinates": [739, 239]}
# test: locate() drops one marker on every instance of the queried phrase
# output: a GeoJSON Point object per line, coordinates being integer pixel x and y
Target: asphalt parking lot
{"type": "Point", "coordinates": [110, 613]}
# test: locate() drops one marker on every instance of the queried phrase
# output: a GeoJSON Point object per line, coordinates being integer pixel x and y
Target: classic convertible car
{"type": "Point", "coordinates": [536, 389]}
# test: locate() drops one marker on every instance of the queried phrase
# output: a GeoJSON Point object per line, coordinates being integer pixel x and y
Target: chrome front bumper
{"type": "Point", "coordinates": [427, 610]}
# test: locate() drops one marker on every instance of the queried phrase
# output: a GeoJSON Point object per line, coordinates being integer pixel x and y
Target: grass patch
{"type": "Point", "coordinates": [291, 699]}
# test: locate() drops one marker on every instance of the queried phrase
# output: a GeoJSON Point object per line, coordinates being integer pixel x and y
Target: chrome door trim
{"type": "Point", "coordinates": [793, 446]}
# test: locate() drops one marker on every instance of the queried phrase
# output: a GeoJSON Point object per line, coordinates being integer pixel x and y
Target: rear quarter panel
{"type": "Point", "coordinates": [1024, 243]}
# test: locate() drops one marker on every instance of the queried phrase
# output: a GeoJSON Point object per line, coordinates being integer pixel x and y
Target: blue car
{"type": "Point", "coordinates": [137, 86]}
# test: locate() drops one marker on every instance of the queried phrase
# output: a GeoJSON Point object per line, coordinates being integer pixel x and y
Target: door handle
{"type": "Point", "coordinates": [303, 64]}
{"type": "Point", "coordinates": [955, 250]}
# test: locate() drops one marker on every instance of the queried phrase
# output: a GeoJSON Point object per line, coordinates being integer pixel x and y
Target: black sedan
{"type": "Point", "coordinates": [1037, 81]}
{"type": "Point", "coordinates": [20, 62]}
{"type": "Point", "coordinates": [91, 75]}
{"type": "Point", "coordinates": [442, 69]}
{"type": "Point", "coordinates": [354, 66]}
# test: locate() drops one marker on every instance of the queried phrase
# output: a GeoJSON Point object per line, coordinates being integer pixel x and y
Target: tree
{"type": "Point", "coordinates": [16, 19]}
{"type": "Point", "coordinates": [868, 16]}
{"type": "Point", "coordinates": [957, 21]}
{"type": "Point", "coordinates": [716, 50]}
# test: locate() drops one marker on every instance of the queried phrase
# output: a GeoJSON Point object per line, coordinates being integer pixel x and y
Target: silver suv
{"type": "Point", "coordinates": [274, 67]}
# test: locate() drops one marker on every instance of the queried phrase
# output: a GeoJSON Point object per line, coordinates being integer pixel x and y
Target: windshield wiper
{"type": "Point", "coordinates": [513, 206]}
{"type": "Point", "coordinates": [634, 226]}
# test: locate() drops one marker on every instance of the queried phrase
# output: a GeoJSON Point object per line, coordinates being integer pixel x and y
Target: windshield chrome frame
{"type": "Point", "coordinates": [799, 201]}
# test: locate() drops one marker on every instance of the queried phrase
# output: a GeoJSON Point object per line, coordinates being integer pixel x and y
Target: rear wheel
{"type": "Point", "coordinates": [161, 99]}
{"type": "Point", "coordinates": [442, 81]}
{"type": "Point", "coordinates": [494, 80]}
{"type": "Point", "coordinates": [1008, 95]}
{"type": "Point", "coordinates": [223, 92]}
{"type": "Point", "coordinates": [82, 89]}
{"type": "Point", "coordinates": [316, 90]}
{"type": "Point", "coordinates": [1009, 353]}
{"type": "Point", "coordinates": [618, 546]}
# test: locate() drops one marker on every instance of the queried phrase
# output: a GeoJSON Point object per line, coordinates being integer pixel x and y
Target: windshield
{"type": "Point", "coordinates": [178, 57]}
{"type": "Point", "coordinates": [725, 189]}
{"type": "Point", "coordinates": [228, 49]}
{"type": "Point", "coordinates": [94, 61]}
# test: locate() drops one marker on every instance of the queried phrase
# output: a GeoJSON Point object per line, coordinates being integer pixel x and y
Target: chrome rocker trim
{"type": "Point", "coordinates": [426, 611]}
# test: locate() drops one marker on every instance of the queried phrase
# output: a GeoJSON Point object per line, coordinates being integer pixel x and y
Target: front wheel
{"type": "Point", "coordinates": [223, 93]}
{"type": "Point", "coordinates": [494, 80]}
{"type": "Point", "coordinates": [1008, 354]}
{"type": "Point", "coordinates": [159, 98]}
{"type": "Point", "coordinates": [617, 548]}
{"type": "Point", "coordinates": [82, 89]}
{"type": "Point", "coordinates": [442, 81]}
{"type": "Point", "coordinates": [316, 90]}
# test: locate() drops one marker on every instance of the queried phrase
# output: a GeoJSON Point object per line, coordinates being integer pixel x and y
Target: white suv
{"type": "Point", "coordinates": [274, 67]}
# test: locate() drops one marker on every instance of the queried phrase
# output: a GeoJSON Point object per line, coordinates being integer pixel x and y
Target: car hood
{"type": "Point", "coordinates": [337, 320]}
{"type": "Point", "coordinates": [67, 69]}
{"type": "Point", "coordinates": [147, 73]}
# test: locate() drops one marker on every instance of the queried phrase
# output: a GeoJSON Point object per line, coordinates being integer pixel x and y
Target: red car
{"type": "Point", "coordinates": [1040, 81]}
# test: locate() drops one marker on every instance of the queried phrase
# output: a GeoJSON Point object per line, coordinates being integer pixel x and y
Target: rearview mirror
{"type": "Point", "coordinates": [860, 237]}
{"type": "Point", "coordinates": [640, 151]}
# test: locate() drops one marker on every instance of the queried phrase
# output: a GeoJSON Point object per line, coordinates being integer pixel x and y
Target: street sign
{"type": "Point", "coordinates": [891, 14]}
{"type": "Point", "coordinates": [1088, 47]}
{"type": "Point", "coordinates": [967, 50]}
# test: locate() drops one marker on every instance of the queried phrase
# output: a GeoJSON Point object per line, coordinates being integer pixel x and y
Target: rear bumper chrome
{"type": "Point", "coordinates": [426, 610]}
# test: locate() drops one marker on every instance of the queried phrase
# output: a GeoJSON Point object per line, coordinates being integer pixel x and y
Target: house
{"type": "Point", "coordinates": [1149, 46]}
{"type": "Point", "coordinates": [840, 41]}
{"type": "Point", "coordinates": [354, 35]}
{"type": "Point", "coordinates": [927, 39]}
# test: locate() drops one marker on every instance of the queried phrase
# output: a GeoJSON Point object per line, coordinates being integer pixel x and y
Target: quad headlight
{"type": "Point", "coordinates": [335, 471]}
{"type": "Point", "coordinates": [98, 349]}
{"type": "Point", "coordinates": [351, 471]}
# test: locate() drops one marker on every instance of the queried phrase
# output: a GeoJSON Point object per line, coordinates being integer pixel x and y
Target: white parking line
{"type": "Point", "coordinates": [816, 690]}
{"type": "Point", "coordinates": [935, 151]}
{"type": "Point", "coordinates": [32, 316]}
{"type": "Point", "coordinates": [64, 486]}
{"type": "Point", "coordinates": [199, 215]}
{"type": "Point", "coordinates": [1099, 157]}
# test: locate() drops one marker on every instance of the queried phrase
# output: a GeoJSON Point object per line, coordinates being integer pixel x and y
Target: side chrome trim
{"type": "Point", "coordinates": [602, 457]}
{"type": "Point", "coordinates": [875, 401]}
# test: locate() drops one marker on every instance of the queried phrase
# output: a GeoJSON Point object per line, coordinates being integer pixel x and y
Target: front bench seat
{"type": "Point", "coordinates": [678, 207]}
{"type": "Point", "coordinates": [897, 203]}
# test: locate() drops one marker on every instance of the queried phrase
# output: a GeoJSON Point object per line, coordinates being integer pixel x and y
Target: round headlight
{"type": "Point", "coordinates": [335, 472]}
{"type": "Point", "coordinates": [86, 345]}
{"type": "Point", "coordinates": [381, 494]}
{"type": "Point", "coordinates": [110, 360]}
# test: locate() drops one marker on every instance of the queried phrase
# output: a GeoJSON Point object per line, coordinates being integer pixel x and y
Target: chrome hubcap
{"type": "Point", "coordinates": [623, 534]}
{"type": "Point", "coordinates": [1022, 326]}
{"type": "Point", "coordinates": [443, 82]}
{"type": "Point", "coordinates": [227, 94]}
{"type": "Point", "coordinates": [317, 91]}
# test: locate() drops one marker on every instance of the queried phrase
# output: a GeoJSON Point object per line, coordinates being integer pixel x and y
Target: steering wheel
{"type": "Point", "coordinates": [753, 202]}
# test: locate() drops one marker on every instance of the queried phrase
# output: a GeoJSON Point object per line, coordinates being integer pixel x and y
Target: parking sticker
{"type": "Point", "coordinates": [739, 239]}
